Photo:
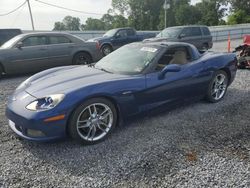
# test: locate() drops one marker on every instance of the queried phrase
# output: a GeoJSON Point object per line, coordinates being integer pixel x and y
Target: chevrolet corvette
{"type": "Point", "coordinates": [87, 102]}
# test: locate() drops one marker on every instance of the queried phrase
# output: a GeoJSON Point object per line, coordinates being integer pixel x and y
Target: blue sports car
{"type": "Point", "coordinates": [86, 102]}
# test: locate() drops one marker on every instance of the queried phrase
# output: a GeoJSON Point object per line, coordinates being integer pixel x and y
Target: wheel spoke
{"type": "Point", "coordinates": [95, 111]}
{"type": "Point", "coordinates": [93, 132]}
{"type": "Point", "coordinates": [103, 123]}
{"type": "Point", "coordinates": [99, 126]}
{"type": "Point", "coordinates": [218, 94]}
{"type": "Point", "coordinates": [90, 130]}
{"type": "Point", "coordinates": [89, 108]}
{"type": "Point", "coordinates": [86, 125]}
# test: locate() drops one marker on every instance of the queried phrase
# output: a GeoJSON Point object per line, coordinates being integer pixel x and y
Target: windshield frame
{"type": "Point", "coordinates": [178, 29]}
{"type": "Point", "coordinates": [144, 71]}
{"type": "Point", "coordinates": [112, 31]}
{"type": "Point", "coordinates": [12, 42]}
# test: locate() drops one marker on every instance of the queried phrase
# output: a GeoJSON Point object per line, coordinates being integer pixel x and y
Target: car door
{"type": "Point", "coordinates": [132, 36]}
{"type": "Point", "coordinates": [30, 56]}
{"type": "Point", "coordinates": [120, 39]}
{"type": "Point", "coordinates": [60, 48]}
{"type": "Point", "coordinates": [188, 83]}
{"type": "Point", "coordinates": [192, 35]}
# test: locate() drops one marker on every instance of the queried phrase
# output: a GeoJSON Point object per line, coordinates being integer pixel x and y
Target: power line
{"type": "Point", "coordinates": [14, 10]}
{"type": "Point", "coordinates": [79, 11]}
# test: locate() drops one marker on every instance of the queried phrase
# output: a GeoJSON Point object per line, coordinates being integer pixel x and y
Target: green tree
{"type": "Point", "coordinates": [93, 24]}
{"type": "Point", "coordinates": [240, 16]}
{"type": "Point", "coordinates": [59, 26]}
{"type": "Point", "coordinates": [69, 23]}
{"type": "Point", "coordinates": [240, 5]}
{"type": "Point", "coordinates": [187, 14]}
{"type": "Point", "coordinates": [212, 12]}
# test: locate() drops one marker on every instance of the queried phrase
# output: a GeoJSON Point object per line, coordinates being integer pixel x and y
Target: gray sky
{"type": "Point", "coordinates": [45, 16]}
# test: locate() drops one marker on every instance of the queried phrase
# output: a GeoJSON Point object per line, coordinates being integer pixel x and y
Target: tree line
{"type": "Point", "coordinates": [150, 15]}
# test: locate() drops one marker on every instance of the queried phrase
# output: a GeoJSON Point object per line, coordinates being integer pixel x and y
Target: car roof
{"type": "Point", "coordinates": [185, 26]}
{"type": "Point", "coordinates": [162, 43]}
{"type": "Point", "coordinates": [44, 33]}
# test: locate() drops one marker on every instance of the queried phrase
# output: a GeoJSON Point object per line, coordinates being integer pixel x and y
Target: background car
{"type": "Point", "coordinates": [199, 36]}
{"type": "Point", "coordinates": [34, 52]}
{"type": "Point", "coordinates": [87, 102]}
{"type": "Point", "coordinates": [7, 34]}
{"type": "Point", "coordinates": [115, 38]}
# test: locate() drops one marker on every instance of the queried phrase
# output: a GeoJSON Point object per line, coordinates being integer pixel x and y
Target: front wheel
{"type": "Point", "coordinates": [1, 72]}
{"type": "Point", "coordinates": [93, 121]}
{"type": "Point", "coordinates": [82, 58]}
{"type": "Point", "coordinates": [106, 49]}
{"type": "Point", "coordinates": [217, 87]}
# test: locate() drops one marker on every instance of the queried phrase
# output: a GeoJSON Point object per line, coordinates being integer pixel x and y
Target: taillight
{"type": "Point", "coordinates": [98, 45]}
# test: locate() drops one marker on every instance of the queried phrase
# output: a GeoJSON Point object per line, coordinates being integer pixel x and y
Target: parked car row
{"type": "Point", "coordinates": [34, 52]}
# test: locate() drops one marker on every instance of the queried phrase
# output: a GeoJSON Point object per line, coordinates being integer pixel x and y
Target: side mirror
{"type": "Point", "coordinates": [19, 45]}
{"type": "Point", "coordinates": [182, 36]}
{"type": "Point", "coordinates": [169, 68]}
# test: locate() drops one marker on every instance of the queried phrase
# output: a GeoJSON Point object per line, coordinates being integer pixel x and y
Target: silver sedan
{"type": "Point", "coordinates": [34, 52]}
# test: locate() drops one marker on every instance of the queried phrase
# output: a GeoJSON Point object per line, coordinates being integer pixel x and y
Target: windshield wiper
{"type": "Point", "coordinates": [105, 70]}
{"type": "Point", "coordinates": [102, 69]}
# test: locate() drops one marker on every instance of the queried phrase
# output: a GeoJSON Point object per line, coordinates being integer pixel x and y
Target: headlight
{"type": "Point", "coordinates": [46, 103]}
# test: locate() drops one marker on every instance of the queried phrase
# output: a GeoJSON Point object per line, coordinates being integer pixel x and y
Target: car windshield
{"type": "Point", "coordinates": [130, 59]}
{"type": "Point", "coordinates": [110, 33]}
{"type": "Point", "coordinates": [11, 42]}
{"type": "Point", "coordinates": [169, 33]}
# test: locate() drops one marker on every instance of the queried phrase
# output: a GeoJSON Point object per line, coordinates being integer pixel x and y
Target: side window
{"type": "Point", "coordinates": [206, 31]}
{"type": "Point", "coordinates": [122, 33]}
{"type": "Point", "coordinates": [196, 31]}
{"type": "Point", "coordinates": [130, 32]}
{"type": "Point", "coordinates": [177, 55]}
{"type": "Point", "coordinates": [59, 40]}
{"type": "Point", "coordinates": [191, 31]}
{"type": "Point", "coordinates": [34, 41]}
{"type": "Point", "coordinates": [187, 32]}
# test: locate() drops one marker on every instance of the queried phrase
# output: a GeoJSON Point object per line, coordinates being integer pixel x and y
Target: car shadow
{"type": "Point", "coordinates": [164, 137]}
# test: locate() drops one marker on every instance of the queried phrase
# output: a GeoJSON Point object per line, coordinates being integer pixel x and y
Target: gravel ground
{"type": "Point", "coordinates": [195, 145]}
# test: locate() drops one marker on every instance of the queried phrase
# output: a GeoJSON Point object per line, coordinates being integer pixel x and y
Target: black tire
{"type": "Point", "coordinates": [106, 49]}
{"type": "Point", "coordinates": [83, 115]}
{"type": "Point", "coordinates": [214, 86]}
{"type": "Point", "coordinates": [1, 71]}
{"type": "Point", "coordinates": [205, 46]}
{"type": "Point", "coordinates": [82, 58]}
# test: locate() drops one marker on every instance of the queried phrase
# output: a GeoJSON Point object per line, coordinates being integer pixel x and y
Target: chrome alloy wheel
{"type": "Point", "coordinates": [82, 60]}
{"type": "Point", "coordinates": [219, 86]}
{"type": "Point", "coordinates": [94, 122]}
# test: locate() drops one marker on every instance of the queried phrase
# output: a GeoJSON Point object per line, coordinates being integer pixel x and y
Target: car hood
{"type": "Point", "coordinates": [67, 79]}
{"type": "Point", "coordinates": [158, 39]}
{"type": "Point", "coordinates": [98, 39]}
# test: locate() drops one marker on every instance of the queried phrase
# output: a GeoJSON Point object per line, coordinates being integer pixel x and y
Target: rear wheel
{"type": "Point", "coordinates": [1, 71]}
{"type": "Point", "coordinates": [205, 46]}
{"type": "Point", "coordinates": [106, 49]}
{"type": "Point", "coordinates": [217, 87]}
{"type": "Point", "coordinates": [93, 121]}
{"type": "Point", "coordinates": [82, 58]}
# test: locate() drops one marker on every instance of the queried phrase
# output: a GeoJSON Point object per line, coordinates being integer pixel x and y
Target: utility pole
{"type": "Point", "coordinates": [166, 6]}
{"type": "Point", "coordinates": [31, 17]}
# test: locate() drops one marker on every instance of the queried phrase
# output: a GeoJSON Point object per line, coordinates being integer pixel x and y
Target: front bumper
{"type": "Point", "coordinates": [31, 125]}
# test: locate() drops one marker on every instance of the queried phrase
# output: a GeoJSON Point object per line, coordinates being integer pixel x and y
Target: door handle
{"type": "Point", "coordinates": [43, 49]}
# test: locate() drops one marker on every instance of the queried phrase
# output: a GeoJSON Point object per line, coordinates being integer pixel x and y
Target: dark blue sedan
{"type": "Point", "coordinates": [86, 102]}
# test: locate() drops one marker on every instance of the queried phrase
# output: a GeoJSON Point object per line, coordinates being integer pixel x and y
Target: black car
{"type": "Point", "coordinates": [7, 34]}
{"type": "Point", "coordinates": [197, 35]}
